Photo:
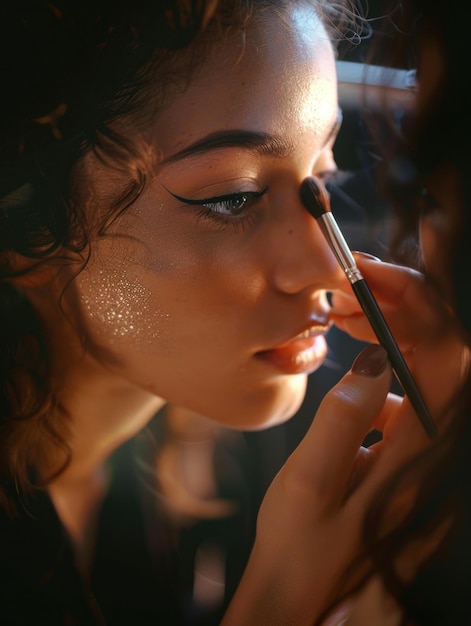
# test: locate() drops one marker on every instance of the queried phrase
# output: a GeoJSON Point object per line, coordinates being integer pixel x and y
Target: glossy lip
{"type": "Point", "coordinates": [301, 354]}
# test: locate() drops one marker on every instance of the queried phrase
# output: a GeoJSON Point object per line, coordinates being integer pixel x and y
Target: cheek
{"type": "Point", "coordinates": [156, 295]}
{"type": "Point", "coordinates": [118, 293]}
{"type": "Point", "coordinates": [119, 304]}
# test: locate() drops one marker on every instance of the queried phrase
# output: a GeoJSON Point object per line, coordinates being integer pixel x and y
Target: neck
{"type": "Point", "coordinates": [103, 411]}
{"type": "Point", "coordinates": [103, 414]}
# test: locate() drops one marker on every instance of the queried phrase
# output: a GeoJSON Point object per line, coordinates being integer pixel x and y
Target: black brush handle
{"type": "Point", "coordinates": [385, 338]}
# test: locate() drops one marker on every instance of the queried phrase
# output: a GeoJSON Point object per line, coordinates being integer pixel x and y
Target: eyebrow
{"type": "Point", "coordinates": [257, 142]}
{"type": "Point", "coordinates": [260, 143]}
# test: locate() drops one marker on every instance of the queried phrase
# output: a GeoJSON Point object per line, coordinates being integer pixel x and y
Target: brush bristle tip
{"type": "Point", "coordinates": [314, 197]}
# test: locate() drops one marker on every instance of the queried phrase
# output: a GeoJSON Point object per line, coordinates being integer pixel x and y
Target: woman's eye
{"type": "Point", "coordinates": [230, 205]}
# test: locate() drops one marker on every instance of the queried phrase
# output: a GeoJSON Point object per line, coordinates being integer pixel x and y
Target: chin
{"type": "Point", "coordinates": [277, 406]}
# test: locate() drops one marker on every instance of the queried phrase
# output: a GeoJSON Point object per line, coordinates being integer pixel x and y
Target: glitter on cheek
{"type": "Point", "coordinates": [121, 307]}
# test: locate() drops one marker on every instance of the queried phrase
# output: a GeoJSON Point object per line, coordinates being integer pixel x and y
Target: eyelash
{"type": "Point", "coordinates": [240, 220]}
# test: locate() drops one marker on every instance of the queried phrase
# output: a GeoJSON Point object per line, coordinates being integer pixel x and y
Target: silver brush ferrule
{"type": "Point", "coordinates": [340, 247]}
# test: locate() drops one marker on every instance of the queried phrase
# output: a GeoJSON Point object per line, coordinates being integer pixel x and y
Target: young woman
{"type": "Point", "coordinates": [153, 249]}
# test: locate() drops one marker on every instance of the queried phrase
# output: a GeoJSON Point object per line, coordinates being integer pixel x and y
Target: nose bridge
{"type": "Point", "coordinates": [303, 256]}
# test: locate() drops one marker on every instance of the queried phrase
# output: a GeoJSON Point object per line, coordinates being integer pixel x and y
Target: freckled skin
{"type": "Point", "coordinates": [185, 304]}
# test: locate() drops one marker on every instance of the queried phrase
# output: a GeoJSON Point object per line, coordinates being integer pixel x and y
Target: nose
{"type": "Point", "coordinates": [303, 258]}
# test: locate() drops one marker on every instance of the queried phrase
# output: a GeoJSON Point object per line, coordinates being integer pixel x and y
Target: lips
{"type": "Point", "coordinates": [302, 354]}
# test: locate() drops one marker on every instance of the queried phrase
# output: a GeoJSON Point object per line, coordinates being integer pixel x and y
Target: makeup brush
{"type": "Point", "coordinates": [315, 198]}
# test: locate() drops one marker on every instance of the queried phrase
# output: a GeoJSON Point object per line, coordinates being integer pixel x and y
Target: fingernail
{"type": "Point", "coordinates": [371, 361]}
{"type": "Point", "coordinates": [367, 255]}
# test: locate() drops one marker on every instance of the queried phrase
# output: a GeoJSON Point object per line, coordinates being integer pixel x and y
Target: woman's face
{"type": "Point", "coordinates": [210, 290]}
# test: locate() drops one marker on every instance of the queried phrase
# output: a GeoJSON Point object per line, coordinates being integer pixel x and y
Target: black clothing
{"type": "Point", "coordinates": [143, 568]}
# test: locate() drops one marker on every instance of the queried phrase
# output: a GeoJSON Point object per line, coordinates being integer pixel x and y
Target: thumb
{"type": "Point", "coordinates": [324, 459]}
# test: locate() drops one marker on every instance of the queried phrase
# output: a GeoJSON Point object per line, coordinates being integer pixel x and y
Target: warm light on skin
{"type": "Point", "coordinates": [181, 304]}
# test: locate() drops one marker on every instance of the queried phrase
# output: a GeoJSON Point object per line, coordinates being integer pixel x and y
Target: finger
{"type": "Point", "coordinates": [421, 324]}
{"type": "Point", "coordinates": [323, 461]}
{"type": "Point", "coordinates": [387, 413]}
{"type": "Point", "coordinates": [393, 284]}
{"type": "Point", "coordinates": [403, 439]}
{"type": "Point", "coordinates": [366, 456]}
{"type": "Point", "coordinates": [413, 309]}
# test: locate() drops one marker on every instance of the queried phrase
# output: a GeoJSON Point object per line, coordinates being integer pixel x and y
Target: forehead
{"type": "Point", "coordinates": [278, 78]}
